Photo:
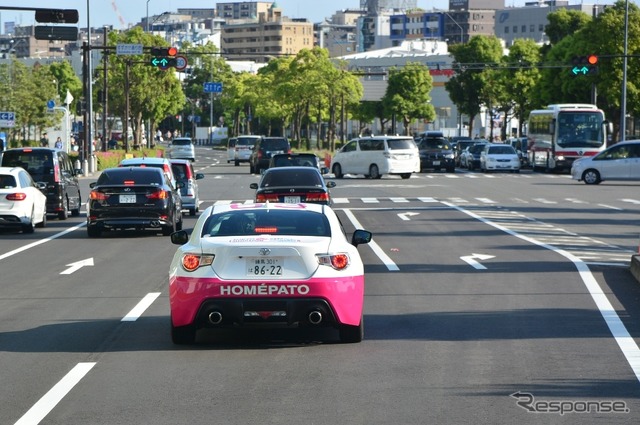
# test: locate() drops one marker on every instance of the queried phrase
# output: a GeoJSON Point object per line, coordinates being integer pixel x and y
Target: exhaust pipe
{"type": "Point", "coordinates": [215, 317]}
{"type": "Point", "coordinates": [315, 317]}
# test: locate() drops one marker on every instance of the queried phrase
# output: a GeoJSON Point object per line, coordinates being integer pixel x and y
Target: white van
{"type": "Point", "coordinates": [239, 148]}
{"type": "Point", "coordinates": [377, 155]}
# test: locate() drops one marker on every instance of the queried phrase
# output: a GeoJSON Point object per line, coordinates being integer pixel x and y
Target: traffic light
{"type": "Point", "coordinates": [164, 57]}
{"type": "Point", "coordinates": [585, 65]}
{"type": "Point", "coordinates": [57, 16]}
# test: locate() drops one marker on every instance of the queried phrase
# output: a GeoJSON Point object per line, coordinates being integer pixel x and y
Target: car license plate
{"type": "Point", "coordinates": [261, 266]}
{"type": "Point", "coordinates": [127, 199]}
{"type": "Point", "coordinates": [291, 199]}
{"type": "Point", "coordinates": [436, 162]}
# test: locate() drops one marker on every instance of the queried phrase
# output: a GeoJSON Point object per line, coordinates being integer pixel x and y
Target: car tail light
{"type": "Point", "coordinates": [191, 262]}
{"type": "Point", "coordinates": [56, 173]}
{"type": "Point", "coordinates": [96, 195]}
{"type": "Point", "coordinates": [160, 194]}
{"type": "Point", "coordinates": [269, 197]}
{"type": "Point", "coordinates": [317, 197]}
{"type": "Point", "coordinates": [337, 261]}
{"type": "Point", "coordinates": [266, 229]}
{"type": "Point", "coordinates": [129, 182]}
{"type": "Point", "coordinates": [189, 173]}
{"type": "Point", "coordinates": [18, 196]}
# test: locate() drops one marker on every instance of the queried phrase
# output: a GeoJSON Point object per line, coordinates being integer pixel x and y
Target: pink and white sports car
{"type": "Point", "coordinates": [267, 264]}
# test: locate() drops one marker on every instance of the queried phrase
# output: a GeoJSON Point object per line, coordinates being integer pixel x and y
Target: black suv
{"type": "Point", "coordinates": [54, 168]}
{"type": "Point", "coordinates": [264, 149]}
{"type": "Point", "coordinates": [436, 152]}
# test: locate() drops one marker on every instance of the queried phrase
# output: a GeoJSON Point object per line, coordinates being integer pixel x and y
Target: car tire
{"type": "Point", "coordinates": [168, 230]}
{"type": "Point", "coordinates": [28, 228]}
{"type": "Point", "coordinates": [192, 211]}
{"type": "Point", "coordinates": [591, 176]}
{"type": "Point", "coordinates": [93, 232]}
{"type": "Point", "coordinates": [179, 223]}
{"type": "Point", "coordinates": [405, 175]}
{"type": "Point", "coordinates": [337, 171]}
{"type": "Point", "coordinates": [451, 170]}
{"type": "Point", "coordinates": [250, 168]}
{"type": "Point", "coordinates": [183, 335]}
{"type": "Point", "coordinates": [374, 172]}
{"type": "Point", "coordinates": [64, 214]}
{"type": "Point", "coordinates": [352, 334]}
{"type": "Point", "coordinates": [236, 163]}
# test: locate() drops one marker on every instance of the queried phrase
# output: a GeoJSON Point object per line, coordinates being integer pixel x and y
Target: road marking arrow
{"type": "Point", "coordinates": [77, 266]}
{"type": "Point", "coordinates": [405, 216]}
{"type": "Point", "coordinates": [471, 260]}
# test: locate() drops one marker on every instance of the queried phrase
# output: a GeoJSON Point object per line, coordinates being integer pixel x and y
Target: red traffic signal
{"type": "Point", "coordinates": [592, 59]}
{"type": "Point", "coordinates": [164, 51]}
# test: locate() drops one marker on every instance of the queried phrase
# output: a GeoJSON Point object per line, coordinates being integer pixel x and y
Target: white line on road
{"type": "Point", "coordinates": [142, 306]}
{"type": "Point", "coordinates": [41, 241]}
{"type": "Point", "coordinates": [48, 401]}
{"type": "Point", "coordinates": [391, 266]}
{"type": "Point", "coordinates": [626, 343]}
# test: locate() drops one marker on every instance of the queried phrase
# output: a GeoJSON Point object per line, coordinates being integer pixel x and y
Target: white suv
{"type": "Point", "coordinates": [182, 148]}
{"type": "Point", "coordinates": [377, 155]}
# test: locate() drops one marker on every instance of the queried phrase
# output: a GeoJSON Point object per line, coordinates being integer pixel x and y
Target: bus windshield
{"type": "Point", "coordinates": [579, 129]}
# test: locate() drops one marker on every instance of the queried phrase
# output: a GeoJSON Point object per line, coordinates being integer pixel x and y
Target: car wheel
{"type": "Point", "coordinates": [179, 223]}
{"type": "Point", "coordinates": [470, 166]}
{"type": "Point", "coordinates": [28, 228]}
{"type": "Point", "coordinates": [591, 177]}
{"type": "Point", "coordinates": [451, 170]}
{"type": "Point", "coordinates": [93, 232]}
{"type": "Point", "coordinates": [374, 172]}
{"type": "Point", "coordinates": [168, 230]}
{"type": "Point", "coordinates": [236, 163]}
{"type": "Point", "coordinates": [192, 211]}
{"type": "Point", "coordinates": [350, 334]}
{"type": "Point", "coordinates": [405, 175]}
{"type": "Point", "coordinates": [64, 214]}
{"type": "Point", "coordinates": [183, 335]}
{"type": "Point", "coordinates": [337, 171]}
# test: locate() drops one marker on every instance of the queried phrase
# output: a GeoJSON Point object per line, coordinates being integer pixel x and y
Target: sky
{"type": "Point", "coordinates": [109, 12]}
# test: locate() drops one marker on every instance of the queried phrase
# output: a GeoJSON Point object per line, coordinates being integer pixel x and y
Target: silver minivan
{"type": "Point", "coordinates": [239, 148]}
{"type": "Point", "coordinates": [377, 155]}
{"type": "Point", "coordinates": [182, 148]}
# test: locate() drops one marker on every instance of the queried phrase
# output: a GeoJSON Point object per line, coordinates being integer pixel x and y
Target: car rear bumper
{"type": "Point", "coordinates": [112, 223]}
{"type": "Point", "coordinates": [250, 303]}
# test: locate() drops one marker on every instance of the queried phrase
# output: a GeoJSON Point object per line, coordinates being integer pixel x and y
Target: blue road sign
{"type": "Point", "coordinates": [212, 87]}
{"type": "Point", "coordinates": [51, 104]}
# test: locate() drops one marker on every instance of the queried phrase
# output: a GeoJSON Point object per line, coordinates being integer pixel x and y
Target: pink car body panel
{"type": "Point", "coordinates": [345, 294]}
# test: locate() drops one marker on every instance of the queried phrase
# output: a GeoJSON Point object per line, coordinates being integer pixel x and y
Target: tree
{"type": "Point", "coordinates": [564, 22]}
{"type": "Point", "coordinates": [408, 94]}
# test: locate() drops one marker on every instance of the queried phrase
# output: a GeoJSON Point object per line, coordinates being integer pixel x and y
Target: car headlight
{"type": "Point", "coordinates": [449, 156]}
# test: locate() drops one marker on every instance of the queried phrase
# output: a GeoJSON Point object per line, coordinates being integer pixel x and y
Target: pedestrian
{"type": "Point", "coordinates": [58, 143]}
{"type": "Point", "coordinates": [44, 140]}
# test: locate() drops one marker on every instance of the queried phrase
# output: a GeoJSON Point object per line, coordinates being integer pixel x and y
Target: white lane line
{"type": "Point", "coordinates": [610, 207]}
{"type": "Point", "coordinates": [139, 309]}
{"type": "Point", "coordinates": [626, 343]}
{"type": "Point", "coordinates": [48, 401]}
{"type": "Point", "coordinates": [40, 242]}
{"type": "Point", "coordinates": [370, 200]}
{"type": "Point", "coordinates": [391, 266]}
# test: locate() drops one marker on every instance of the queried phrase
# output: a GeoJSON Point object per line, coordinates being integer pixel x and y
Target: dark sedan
{"type": "Point", "coordinates": [133, 198]}
{"type": "Point", "coordinates": [473, 155]}
{"type": "Point", "coordinates": [293, 185]}
{"type": "Point", "coordinates": [436, 153]}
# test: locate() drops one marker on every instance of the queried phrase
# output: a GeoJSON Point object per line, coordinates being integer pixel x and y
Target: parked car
{"type": "Point", "coordinates": [239, 148]}
{"type": "Point", "coordinates": [267, 264]}
{"type": "Point", "coordinates": [293, 185]}
{"type": "Point", "coordinates": [182, 148]}
{"type": "Point", "coordinates": [54, 168]}
{"type": "Point", "coordinates": [499, 157]}
{"type": "Point", "coordinates": [189, 191]}
{"type": "Point", "coordinates": [460, 147]}
{"type": "Point", "coordinates": [520, 145]}
{"type": "Point", "coordinates": [618, 162]}
{"type": "Point", "coordinates": [23, 204]}
{"type": "Point", "coordinates": [472, 157]}
{"type": "Point", "coordinates": [163, 163]}
{"type": "Point", "coordinates": [133, 198]}
{"type": "Point", "coordinates": [436, 153]}
{"type": "Point", "coordinates": [375, 156]}
{"type": "Point", "coordinates": [297, 159]}
{"type": "Point", "coordinates": [264, 149]}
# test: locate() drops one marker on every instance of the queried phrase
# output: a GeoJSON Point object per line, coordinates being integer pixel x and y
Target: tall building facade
{"type": "Point", "coordinates": [242, 10]}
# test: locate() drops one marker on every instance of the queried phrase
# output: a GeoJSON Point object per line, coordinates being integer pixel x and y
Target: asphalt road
{"type": "Point", "coordinates": [499, 298]}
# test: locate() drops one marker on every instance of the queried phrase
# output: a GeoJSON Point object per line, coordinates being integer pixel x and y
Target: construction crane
{"type": "Point", "coordinates": [120, 18]}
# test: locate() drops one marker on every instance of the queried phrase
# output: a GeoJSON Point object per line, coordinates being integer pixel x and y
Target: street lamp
{"type": "Point", "coordinates": [147, 20]}
{"type": "Point", "coordinates": [458, 25]}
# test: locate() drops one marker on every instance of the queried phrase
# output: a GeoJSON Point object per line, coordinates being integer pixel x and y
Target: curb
{"type": "Point", "coordinates": [635, 266]}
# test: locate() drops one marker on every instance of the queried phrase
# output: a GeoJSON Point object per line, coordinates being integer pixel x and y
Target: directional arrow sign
{"type": "Point", "coordinates": [471, 260]}
{"type": "Point", "coordinates": [77, 266]}
{"type": "Point", "coordinates": [405, 216]}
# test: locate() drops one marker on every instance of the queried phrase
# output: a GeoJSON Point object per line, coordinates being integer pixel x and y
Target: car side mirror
{"type": "Point", "coordinates": [180, 237]}
{"type": "Point", "coordinates": [253, 186]}
{"type": "Point", "coordinates": [361, 236]}
{"type": "Point", "coordinates": [199, 176]}
{"type": "Point", "coordinates": [92, 184]}
{"type": "Point", "coordinates": [41, 185]}
{"type": "Point", "coordinates": [331, 184]}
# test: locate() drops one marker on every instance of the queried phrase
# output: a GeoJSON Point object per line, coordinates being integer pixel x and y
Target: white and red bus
{"type": "Point", "coordinates": [562, 133]}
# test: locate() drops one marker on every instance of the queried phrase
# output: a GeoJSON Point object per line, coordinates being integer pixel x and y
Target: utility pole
{"type": "Point", "coordinates": [105, 91]}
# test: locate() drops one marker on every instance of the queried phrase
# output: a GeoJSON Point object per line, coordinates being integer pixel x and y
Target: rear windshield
{"type": "Point", "coordinates": [246, 141]}
{"type": "Point", "coordinates": [180, 171]}
{"type": "Point", "coordinates": [262, 222]}
{"type": "Point", "coordinates": [502, 150]}
{"type": "Point", "coordinates": [301, 160]}
{"type": "Point", "coordinates": [278, 144]}
{"type": "Point", "coordinates": [38, 163]}
{"type": "Point", "coordinates": [292, 178]}
{"type": "Point", "coordinates": [477, 148]}
{"type": "Point", "coordinates": [121, 176]}
{"type": "Point", "coordinates": [435, 143]}
{"type": "Point", "coordinates": [395, 144]}
{"type": "Point", "coordinates": [181, 142]}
